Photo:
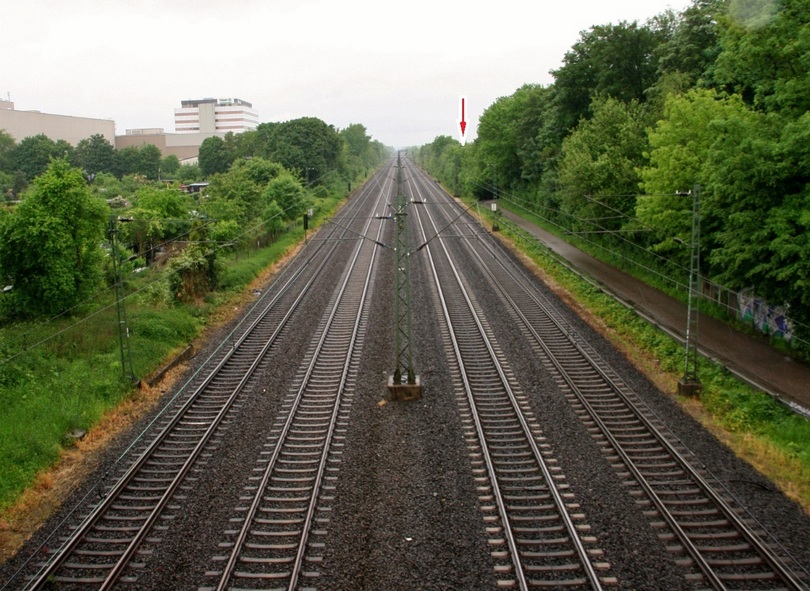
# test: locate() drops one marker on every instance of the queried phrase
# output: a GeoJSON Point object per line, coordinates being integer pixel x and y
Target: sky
{"type": "Point", "coordinates": [399, 68]}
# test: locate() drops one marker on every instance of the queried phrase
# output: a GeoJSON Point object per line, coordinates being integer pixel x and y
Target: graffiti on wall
{"type": "Point", "coordinates": [771, 320]}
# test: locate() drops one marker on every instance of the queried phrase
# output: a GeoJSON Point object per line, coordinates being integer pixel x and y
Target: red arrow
{"type": "Point", "coordinates": [462, 123]}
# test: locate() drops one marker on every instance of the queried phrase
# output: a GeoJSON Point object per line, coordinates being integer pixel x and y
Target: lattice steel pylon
{"type": "Point", "coordinates": [689, 384]}
{"type": "Point", "coordinates": [404, 384]}
{"type": "Point", "coordinates": [120, 309]}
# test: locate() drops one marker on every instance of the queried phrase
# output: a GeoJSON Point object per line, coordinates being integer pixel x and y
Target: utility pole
{"type": "Point", "coordinates": [689, 384]}
{"type": "Point", "coordinates": [404, 384]}
{"type": "Point", "coordinates": [123, 327]}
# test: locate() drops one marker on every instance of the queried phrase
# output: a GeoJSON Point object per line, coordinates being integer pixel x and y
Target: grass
{"type": "Point", "coordinates": [73, 375]}
{"type": "Point", "coordinates": [760, 429]}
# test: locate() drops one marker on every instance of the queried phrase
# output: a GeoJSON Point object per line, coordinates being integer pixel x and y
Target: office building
{"type": "Point", "coordinates": [212, 115]}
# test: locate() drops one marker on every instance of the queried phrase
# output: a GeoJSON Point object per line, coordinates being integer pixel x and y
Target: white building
{"type": "Point", "coordinates": [212, 115]}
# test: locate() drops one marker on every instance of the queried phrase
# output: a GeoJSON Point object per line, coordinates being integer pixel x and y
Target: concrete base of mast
{"type": "Point", "coordinates": [690, 387]}
{"type": "Point", "coordinates": [404, 391]}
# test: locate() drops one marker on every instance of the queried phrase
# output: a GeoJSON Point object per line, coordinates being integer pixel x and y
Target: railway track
{"type": "Point", "coordinates": [712, 539]}
{"type": "Point", "coordinates": [287, 501]}
{"type": "Point", "coordinates": [536, 532]}
{"type": "Point", "coordinates": [538, 535]}
{"type": "Point", "coordinates": [108, 545]}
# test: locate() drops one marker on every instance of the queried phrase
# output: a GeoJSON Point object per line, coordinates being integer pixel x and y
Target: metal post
{"type": "Point", "coordinates": [689, 384]}
{"type": "Point", "coordinates": [404, 383]}
{"type": "Point", "coordinates": [123, 326]}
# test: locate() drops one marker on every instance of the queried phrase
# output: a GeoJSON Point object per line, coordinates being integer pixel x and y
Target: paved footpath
{"type": "Point", "coordinates": [750, 358]}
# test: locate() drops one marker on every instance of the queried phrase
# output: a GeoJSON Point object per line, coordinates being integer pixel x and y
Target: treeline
{"type": "Point", "coordinates": [21, 162]}
{"type": "Point", "coordinates": [638, 114]}
{"type": "Point", "coordinates": [306, 145]}
{"type": "Point", "coordinates": [56, 247]}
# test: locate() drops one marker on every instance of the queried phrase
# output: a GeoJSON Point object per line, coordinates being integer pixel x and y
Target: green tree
{"type": "Point", "coordinates": [510, 143]}
{"type": "Point", "coordinates": [694, 45]}
{"type": "Point", "coordinates": [273, 219]}
{"type": "Point", "coordinates": [149, 158]}
{"type": "Point", "coordinates": [7, 145]}
{"type": "Point", "coordinates": [764, 54]}
{"type": "Point", "coordinates": [214, 157]}
{"type": "Point", "coordinates": [234, 195]}
{"type": "Point", "coordinates": [159, 214]}
{"type": "Point", "coordinates": [598, 171]}
{"type": "Point", "coordinates": [747, 179]}
{"type": "Point", "coordinates": [106, 185]}
{"type": "Point", "coordinates": [259, 170]}
{"type": "Point", "coordinates": [50, 246]}
{"type": "Point", "coordinates": [307, 145]}
{"type": "Point", "coordinates": [127, 161]}
{"type": "Point", "coordinates": [94, 154]}
{"type": "Point", "coordinates": [189, 173]}
{"type": "Point", "coordinates": [194, 272]}
{"type": "Point", "coordinates": [680, 146]}
{"type": "Point", "coordinates": [288, 194]}
{"type": "Point", "coordinates": [357, 141]}
{"type": "Point", "coordinates": [169, 165]}
{"type": "Point", "coordinates": [620, 61]}
{"type": "Point", "coordinates": [33, 154]}
{"type": "Point", "coordinates": [6, 186]}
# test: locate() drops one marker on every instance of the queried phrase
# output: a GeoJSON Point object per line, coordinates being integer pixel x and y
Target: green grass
{"type": "Point", "coordinates": [739, 409]}
{"type": "Point", "coordinates": [73, 376]}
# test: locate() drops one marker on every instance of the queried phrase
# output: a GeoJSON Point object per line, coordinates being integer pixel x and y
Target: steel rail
{"type": "Point", "coordinates": [591, 575]}
{"type": "Point", "coordinates": [71, 545]}
{"type": "Point", "coordinates": [711, 575]}
{"type": "Point", "coordinates": [714, 579]}
{"type": "Point", "coordinates": [228, 570]}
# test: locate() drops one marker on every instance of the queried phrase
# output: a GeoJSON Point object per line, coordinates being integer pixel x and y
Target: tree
{"type": "Point", "coordinates": [194, 272]}
{"type": "Point", "coordinates": [600, 163]}
{"type": "Point", "coordinates": [149, 161]}
{"type": "Point", "coordinates": [50, 245]}
{"type": "Point", "coordinates": [619, 61]}
{"type": "Point", "coordinates": [694, 45]}
{"type": "Point", "coordinates": [680, 146]}
{"type": "Point", "coordinates": [189, 173]}
{"type": "Point", "coordinates": [273, 219]}
{"type": "Point", "coordinates": [509, 136]}
{"type": "Point", "coordinates": [764, 54]}
{"type": "Point", "coordinates": [94, 154]}
{"type": "Point", "coordinates": [6, 186]}
{"type": "Point", "coordinates": [288, 194]}
{"type": "Point", "coordinates": [234, 195]}
{"type": "Point", "coordinates": [258, 170]}
{"type": "Point", "coordinates": [169, 165]}
{"type": "Point", "coordinates": [127, 161]}
{"type": "Point", "coordinates": [214, 157]}
{"type": "Point", "coordinates": [33, 154]}
{"type": "Point", "coordinates": [7, 145]}
{"type": "Point", "coordinates": [357, 141]}
{"type": "Point", "coordinates": [307, 145]}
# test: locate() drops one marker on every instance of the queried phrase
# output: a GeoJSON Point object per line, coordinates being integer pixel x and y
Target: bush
{"type": "Point", "coordinates": [193, 273]}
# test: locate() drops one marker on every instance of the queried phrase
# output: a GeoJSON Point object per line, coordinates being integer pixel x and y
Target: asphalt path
{"type": "Point", "coordinates": [750, 358]}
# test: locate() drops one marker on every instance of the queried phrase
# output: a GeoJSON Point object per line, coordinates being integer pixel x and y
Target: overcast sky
{"type": "Point", "coordinates": [398, 67]}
